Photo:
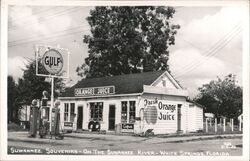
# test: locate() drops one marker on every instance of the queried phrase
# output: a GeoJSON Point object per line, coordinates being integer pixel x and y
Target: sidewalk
{"type": "Point", "coordinates": [154, 139]}
{"type": "Point", "coordinates": [23, 136]}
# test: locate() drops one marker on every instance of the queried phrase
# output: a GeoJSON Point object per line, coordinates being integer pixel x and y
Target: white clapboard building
{"type": "Point", "coordinates": [136, 103]}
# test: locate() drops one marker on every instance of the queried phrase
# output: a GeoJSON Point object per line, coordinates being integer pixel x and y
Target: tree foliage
{"type": "Point", "coordinates": [127, 40]}
{"type": "Point", "coordinates": [31, 86]}
{"type": "Point", "coordinates": [12, 95]}
{"type": "Point", "coordinates": [222, 97]}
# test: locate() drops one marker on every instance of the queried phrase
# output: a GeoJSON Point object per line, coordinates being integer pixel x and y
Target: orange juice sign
{"type": "Point", "coordinates": [158, 110]}
{"type": "Point", "coordinates": [95, 91]}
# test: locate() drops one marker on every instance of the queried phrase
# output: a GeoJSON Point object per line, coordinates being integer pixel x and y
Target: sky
{"type": "Point", "coordinates": [208, 44]}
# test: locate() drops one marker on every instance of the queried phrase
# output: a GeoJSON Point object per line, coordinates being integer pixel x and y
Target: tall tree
{"type": "Point", "coordinates": [222, 97]}
{"type": "Point", "coordinates": [12, 103]}
{"type": "Point", "coordinates": [31, 86]}
{"type": "Point", "coordinates": [128, 39]}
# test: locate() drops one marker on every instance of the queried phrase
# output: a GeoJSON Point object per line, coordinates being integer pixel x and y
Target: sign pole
{"type": "Point", "coordinates": [232, 124]}
{"type": "Point", "coordinates": [224, 124]}
{"type": "Point", "coordinates": [51, 102]}
{"type": "Point", "coordinates": [215, 125]}
{"type": "Point", "coordinates": [240, 124]}
{"type": "Point", "coordinates": [53, 63]}
{"type": "Point", "coordinates": [206, 125]}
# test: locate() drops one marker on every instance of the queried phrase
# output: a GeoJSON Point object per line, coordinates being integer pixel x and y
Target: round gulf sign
{"type": "Point", "coordinates": [52, 61]}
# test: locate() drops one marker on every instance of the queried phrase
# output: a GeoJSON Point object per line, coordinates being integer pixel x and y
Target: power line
{"type": "Point", "coordinates": [53, 14]}
{"type": "Point", "coordinates": [46, 38]}
{"type": "Point", "coordinates": [191, 44]}
{"type": "Point", "coordinates": [47, 18]}
{"type": "Point", "coordinates": [214, 52]}
{"type": "Point", "coordinates": [36, 13]}
{"type": "Point", "coordinates": [39, 35]}
{"type": "Point", "coordinates": [210, 51]}
{"type": "Point", "coordinates": [206, 58]}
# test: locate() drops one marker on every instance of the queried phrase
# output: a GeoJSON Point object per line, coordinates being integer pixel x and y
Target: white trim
{"type": "Point", "coordinates": [95, 87]}
{"type": "Point", "coordinates": [67, 120]}
{"type": "Point", "coordinates": [118, 95]}
{"type": "Point", "coordinates": [165, 91]}
{"type": "Point", "coordinates": [172, 80]}
{"type": "Point", "coordinates": [128, 109]}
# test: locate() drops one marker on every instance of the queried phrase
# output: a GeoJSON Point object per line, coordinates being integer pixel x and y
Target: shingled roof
{"type": "Point", "coordinates": [124, 84]}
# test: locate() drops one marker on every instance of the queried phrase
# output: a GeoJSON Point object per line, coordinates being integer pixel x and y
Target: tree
{"type": "Point", "coordinates": [127, 40]}
{"type": "Point", "coordinates": [31, 86]}
{"type": "Point", "coordinates": [12, 95]}
{"type": "Point", "coordinates": [222, 97]}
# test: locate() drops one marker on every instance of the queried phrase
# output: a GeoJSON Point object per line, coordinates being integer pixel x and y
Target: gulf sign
{"type": "Point", "coordinates": [159, 110]}
{"type": "Point", "coordinates": [52, 61]}
{"type": "Point", "coordinates": [93, 91]}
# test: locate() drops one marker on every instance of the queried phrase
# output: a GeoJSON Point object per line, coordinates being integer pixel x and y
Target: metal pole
{"type": "Point", "coordinates": [240, 125]}
{"type": "Point", "coordinates": [51, 102]}
{"type": "Point", "coordinates": [215, 125]}
{"type": "Point", "coordinates": [232, 124]}
{"type": "Point", "coordinates": [206, 125]}
{"type": "Point", "coordinates": [224, 124]}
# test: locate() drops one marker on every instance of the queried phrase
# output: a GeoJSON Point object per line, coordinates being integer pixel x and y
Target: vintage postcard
{"type": "Point", "coordinates": [127, 80]}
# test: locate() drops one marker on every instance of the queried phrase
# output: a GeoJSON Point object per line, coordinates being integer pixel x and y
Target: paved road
{"type": "Point", "coordinates": [98, 144]}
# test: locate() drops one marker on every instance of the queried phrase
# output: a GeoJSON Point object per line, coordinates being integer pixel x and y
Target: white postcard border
{"type": "Point", "coordinates": [4, 65]}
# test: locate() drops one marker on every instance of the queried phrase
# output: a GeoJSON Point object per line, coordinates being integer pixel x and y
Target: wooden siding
{"type": "Point", "coordinates": [169, 84]}
{"type": "Point", "coordinates": [199, 118]}
{"type": "Point", "coordinates": [195, 118]}
{"type": "Point", "coordinates": [191, 127]}
{"type": "Point", "coordinates": [162, 126]}
{"type": "Point", "coordinates": [165, 91]}
{"type": "Point", "coordinates": [86, 110]}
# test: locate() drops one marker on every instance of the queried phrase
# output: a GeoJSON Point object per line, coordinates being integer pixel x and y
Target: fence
{"type": "Point", "coordinates": [222, 125]}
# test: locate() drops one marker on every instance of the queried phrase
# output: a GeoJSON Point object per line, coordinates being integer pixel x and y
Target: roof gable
{"type": "Point", "coordinates": [169, 81]}
{"type": "Point", "coordinates": [124, 84]}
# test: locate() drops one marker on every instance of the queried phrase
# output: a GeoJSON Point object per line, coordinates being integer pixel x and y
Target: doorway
{"type": "Point", "coordinates": [111, 117]}
{"type": "Point", "coordinates": [79, 117]}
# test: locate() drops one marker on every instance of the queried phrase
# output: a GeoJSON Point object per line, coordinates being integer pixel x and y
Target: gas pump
{"type": "Point", "coordinates": [33, 118]}
{"type": "Point", "coordinates": [55, 121]}
{"type": "Point", "coordinates": [44, 116]}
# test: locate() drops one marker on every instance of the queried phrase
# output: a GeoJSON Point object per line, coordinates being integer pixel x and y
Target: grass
{"type": "Point", "coordinates": [15, 127]}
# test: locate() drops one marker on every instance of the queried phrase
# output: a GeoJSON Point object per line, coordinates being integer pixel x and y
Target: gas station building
{"type": "Point", "coordinates": [132, 103]}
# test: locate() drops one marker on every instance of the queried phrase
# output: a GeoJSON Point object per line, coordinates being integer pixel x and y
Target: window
{"type": "Point", "coordinates": [96, 111]}
{"type": "Point", "coordinates": [191, 105]}
{"type": "Point", "coordinates": [66, 111]}
{"type": "Point", "coordinates": [124, 111]}
{"type": "Point", "coordinates": [164, 83]}
{"type": "Point", "coordinates": [131, 111]}
{"type": "Point", "coordinates": [72, 112]}
{"type": "Point", "coordinates": [128, 114]}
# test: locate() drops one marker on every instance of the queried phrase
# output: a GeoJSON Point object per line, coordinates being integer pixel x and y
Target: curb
{"type": "Point", "coordinates": [205, 138]}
